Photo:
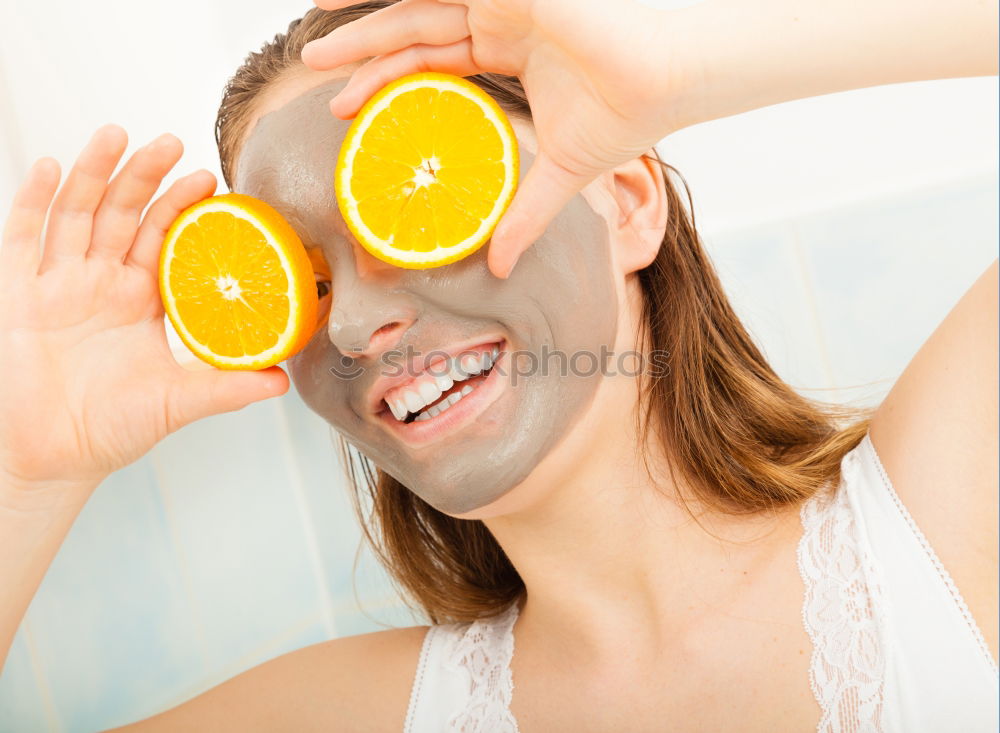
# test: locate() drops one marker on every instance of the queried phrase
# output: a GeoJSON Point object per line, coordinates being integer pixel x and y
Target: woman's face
{"type": "Point", "coordinates": [392, 332]}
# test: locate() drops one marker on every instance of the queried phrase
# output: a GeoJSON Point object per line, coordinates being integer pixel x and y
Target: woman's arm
{"type": "Point", "coordinates": [607, 80]}
{"type": "Point", "coordinates": [87, 381]}
{"type": "Point", "coordinates": [356, 683]}
{"type": "Point", "coordinates": [34, 522]}
{"type": "Point", "coordinates": [748, 55]}
{"type": "Point", "coordinates": [936, 434]}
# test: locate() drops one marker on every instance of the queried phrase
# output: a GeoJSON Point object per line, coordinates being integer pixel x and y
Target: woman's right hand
{"type": "Point", "coordinates": [607, 80]}
{"type": "Point", "coordinates": [87, 380]}
{"type": "Point", "coordinates": [604, 81]}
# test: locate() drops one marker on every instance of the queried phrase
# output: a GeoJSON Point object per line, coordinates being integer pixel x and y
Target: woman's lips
{"type": "Point", "coordinates": [440, 378]}
{"type": "Point", "coordinates": [475, 395]}
{"type": "Point", "coordinates": [418, 384]}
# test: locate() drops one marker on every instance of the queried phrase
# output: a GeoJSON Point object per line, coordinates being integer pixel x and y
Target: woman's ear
{"type": "Point", "coordinates": [638, 189]}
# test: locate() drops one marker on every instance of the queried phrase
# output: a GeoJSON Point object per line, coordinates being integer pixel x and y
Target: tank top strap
{"type": "Point", "coordinates": [463, 681]}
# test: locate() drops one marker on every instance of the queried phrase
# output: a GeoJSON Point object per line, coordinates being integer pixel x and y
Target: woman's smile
{"type": "Point", "coordinates": [400, 402]}
{"type": "Point", "coordinates": [424, 391]}
{"type": "Point", "coordinates": [408, 386]}
{"type": "Point", "coordinates": [450, 395]}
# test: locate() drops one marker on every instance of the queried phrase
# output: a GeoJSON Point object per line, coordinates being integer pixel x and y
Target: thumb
{"type": "Point", "coordinates": [545, 190]}
{"type": "Point", "coordinates": [210, 392]}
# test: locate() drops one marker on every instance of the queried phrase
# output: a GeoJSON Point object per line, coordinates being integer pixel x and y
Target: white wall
{"type": "Point", "coordinates": [844, 228]}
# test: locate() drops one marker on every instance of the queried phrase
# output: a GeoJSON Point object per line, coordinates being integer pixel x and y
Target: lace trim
{"type": "Point", "coordinates": [935, 561]}
{"type": "Point", "coordinates": [842, 613]}
{"type": "Point", "coordinates": [485, 651]}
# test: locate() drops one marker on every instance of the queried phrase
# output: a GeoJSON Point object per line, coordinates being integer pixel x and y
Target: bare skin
{"type": "Point", "coordinates": [651, 616]}
{"type": "Point", "coordinates": [730, 611]}
{"type": "Point", "coordinates": [752, 631]}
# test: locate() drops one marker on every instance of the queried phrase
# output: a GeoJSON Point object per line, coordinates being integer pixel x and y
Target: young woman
{"type": "Point", "coordinates": [694, 547]}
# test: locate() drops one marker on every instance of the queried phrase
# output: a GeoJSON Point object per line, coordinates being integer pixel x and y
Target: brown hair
{"type": "Point", "coordinates": [741, 439]}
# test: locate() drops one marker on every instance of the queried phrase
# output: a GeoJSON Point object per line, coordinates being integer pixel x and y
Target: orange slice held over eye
{"type": "Point", "coordinates": [427, 169]}
{"type": "Point", "coordinates": [237, 284]}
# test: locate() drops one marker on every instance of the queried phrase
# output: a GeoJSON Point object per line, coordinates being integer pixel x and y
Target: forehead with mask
{"type": "Point", "coordinates": [385, 324]}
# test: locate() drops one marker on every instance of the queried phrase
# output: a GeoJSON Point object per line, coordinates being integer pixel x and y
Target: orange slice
{"type": "Point", "coordinates": [428, 167]}
{"type": "Point", "coordinates": [237, 283]}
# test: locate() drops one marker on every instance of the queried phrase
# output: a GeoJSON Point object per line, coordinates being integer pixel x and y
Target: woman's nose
{"type": "Point", "coordinates": [368, 318]}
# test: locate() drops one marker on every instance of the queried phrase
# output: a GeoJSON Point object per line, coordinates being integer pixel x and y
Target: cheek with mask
{"type": "Point", "coordinates": [403, 335]}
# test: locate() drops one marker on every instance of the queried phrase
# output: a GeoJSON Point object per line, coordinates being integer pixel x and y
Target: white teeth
{"type": "Point", "coordinates": [455, 372]}
{"type": "Point", "coordinates": [470, 364]}
{"type": "Point", "coordinates": [444, 404]}
{"type": "Point", "coordinates": [413, 401]}
{"type": "Point", "coordinates": [429, 392]}
{"type": "Point", "coordinates": [398, 409]}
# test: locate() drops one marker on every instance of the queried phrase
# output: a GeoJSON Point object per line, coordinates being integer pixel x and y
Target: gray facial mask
{"type": "Point", "coordinates": [560, 298]}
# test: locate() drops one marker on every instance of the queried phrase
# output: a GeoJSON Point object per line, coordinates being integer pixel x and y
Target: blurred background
{"type": "Point", "coordinates": [844, 227]}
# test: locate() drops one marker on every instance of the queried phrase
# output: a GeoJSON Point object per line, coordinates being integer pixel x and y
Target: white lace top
{"type": "Point", "coordinates": [895, 648]}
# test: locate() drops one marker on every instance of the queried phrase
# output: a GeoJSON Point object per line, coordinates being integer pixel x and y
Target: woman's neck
{"type": "Point", "coordinates": [603, 550]}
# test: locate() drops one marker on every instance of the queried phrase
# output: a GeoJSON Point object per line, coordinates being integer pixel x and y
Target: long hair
{"type": "Point", "coordinates": [736, 436]}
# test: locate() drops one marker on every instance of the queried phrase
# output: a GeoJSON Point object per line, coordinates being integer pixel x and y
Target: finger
{"type": "Point", "coordinates": [145, 251]}
{"type": "Point", "coordinates": [545, 190]}
{"type": "Point", "coordinates": [121, 208]}
{"type": "Point", "coordinates": [210, 392]}
{"type": "Point", "coordinates": [22, 234]}
{"type": "Point", "coordinates": [455, 58]}
{"type": "Point", "coordinates": [72, 219]}
{"type": "Point", "coordinates": [384, 31]}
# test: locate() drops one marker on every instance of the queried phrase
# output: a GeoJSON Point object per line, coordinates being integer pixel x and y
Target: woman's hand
{"type": "Point", "coordinates": [607, 80]}
{"type": "Point", "coordinates": [87, 381]}
{"type": "Point", "coordinates": [599, 76]}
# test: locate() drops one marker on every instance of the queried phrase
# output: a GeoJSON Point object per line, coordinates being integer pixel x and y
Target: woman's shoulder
{"type": "Point", "coordinates": [361, 682]}
{"type": "Point", "coordinates": [372, 675]}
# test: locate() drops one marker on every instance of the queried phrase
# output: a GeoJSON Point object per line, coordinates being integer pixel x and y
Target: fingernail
{"type": "Point", "coordinates": [510, 269]}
